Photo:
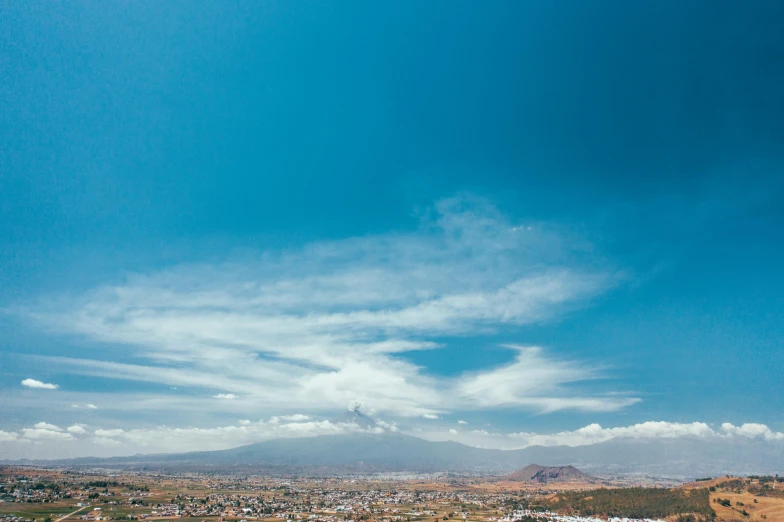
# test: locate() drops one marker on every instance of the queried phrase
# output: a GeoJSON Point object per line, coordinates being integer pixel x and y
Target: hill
{"type": "Point", "coordinates": [546, 474]}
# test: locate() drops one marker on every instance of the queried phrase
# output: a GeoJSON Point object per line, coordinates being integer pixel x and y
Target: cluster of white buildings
{"type": "Point", "coordinates": [555, 517]}
{"type": "Point", "coordinates": [12, 518]}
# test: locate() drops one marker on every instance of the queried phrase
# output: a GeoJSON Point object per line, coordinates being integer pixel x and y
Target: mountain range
{"type": "Point", "coordinates": [395, 452]}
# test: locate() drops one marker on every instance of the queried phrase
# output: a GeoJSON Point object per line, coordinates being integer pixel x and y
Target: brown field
{"type": "Point", "coordinates": [766, 509]}
{"type": "Point", "coordinates": [769, 509]}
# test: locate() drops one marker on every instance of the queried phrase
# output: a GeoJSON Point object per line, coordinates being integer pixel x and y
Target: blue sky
{"type": "Point", "coordinates": [529, 217]}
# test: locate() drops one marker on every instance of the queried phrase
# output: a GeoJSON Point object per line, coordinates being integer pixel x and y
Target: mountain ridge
{"type": "Point", "coordinates": [397, 452]}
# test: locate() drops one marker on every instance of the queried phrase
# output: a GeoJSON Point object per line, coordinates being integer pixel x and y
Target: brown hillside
{"type": "Point", "coordinates": [731, 497]}
{"type": "Point", "coordinates": [545, 474]}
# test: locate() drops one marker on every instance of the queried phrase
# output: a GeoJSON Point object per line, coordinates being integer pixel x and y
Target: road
{"type": "Point", "coordinates": [69, 514]}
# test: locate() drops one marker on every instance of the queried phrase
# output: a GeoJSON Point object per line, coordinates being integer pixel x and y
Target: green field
{"type": "Point", "coordinates": [36, 511]}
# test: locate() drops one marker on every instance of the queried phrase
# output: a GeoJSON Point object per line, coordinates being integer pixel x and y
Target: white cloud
{"type": "Point", "coordinates": [462, 422]}
{"type": "Point", "coordinates": [76, 430]}
{"type": "Point", "coordinates": [91, 406]}
{"type": "Point", "coordinates": [6, 436]}
{"type": "Point", "coordinates": [595, 433]}
{"type": "Point", "coordinates": [244, 422]}
{"type": "Point", "coordinates": [103, 441]}
{"type": "Point", "coordinates": [430, 416]}
{"type": "Point", "coordinates": [316, 328]}
{"type": "Point", "coordinates": [388, 426]}
{"type": "Point", "coordinates": [47, 426]}
{"type": "Point", "coordinates": [45, 431]}
{"type": "Point", "coordinates": [751, 430]}
{"type": "Point", "coordinates": [32, 383]}
{"type": "Point", "coordinates": [452, 431]}
{"type": "Point", "coordinates": [109, 433]}
{"type": "Point", "coordinates": [297, 417]}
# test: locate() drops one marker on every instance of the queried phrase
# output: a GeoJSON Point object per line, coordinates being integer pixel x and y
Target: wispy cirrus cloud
{"type": "Point", "coordinates": [535, 380]}
{"type": "Point", "coordinates": [329, 324]}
